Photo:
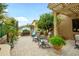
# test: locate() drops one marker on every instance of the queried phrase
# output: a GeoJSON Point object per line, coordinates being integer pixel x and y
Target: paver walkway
{"type": "Point", "coordinates": [26, 47]}
{"type": "Point", "coordinates": [4, 50]}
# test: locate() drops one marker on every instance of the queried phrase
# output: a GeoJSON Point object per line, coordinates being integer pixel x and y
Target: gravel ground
{"type": "Point", "coordinates": [26, 47]}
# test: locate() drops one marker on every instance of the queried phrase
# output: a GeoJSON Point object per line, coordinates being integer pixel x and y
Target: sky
{"type": "Point", "coordinates": [25, 13]}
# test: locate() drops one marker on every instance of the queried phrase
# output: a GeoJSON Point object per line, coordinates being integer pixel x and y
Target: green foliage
{"type": "Point", "coordinates": [57, 41]}
{"type": "Point", "coordinates": [26, 30]}
{"type": "Point", "coordinates": [2, 26]}
{"type": "Point", "coordinates": [11, 29]}
{"type": "Point", "coordinates": [2, 8]}
{"type": "Point", "coordinates": [39, 30]}
{"type": "Point", "coordinates": [14, 32]}
{"type": "Point", "coordinates": [2, 30]}
{"type": "Point", "coordinates": [9, 25]}
{"type": "Point", "coordinates": [45, 22]}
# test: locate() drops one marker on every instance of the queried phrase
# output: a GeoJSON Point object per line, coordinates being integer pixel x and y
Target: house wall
{"type": "Point", "coordinates": [35, 26]}
{"type": "Point", "coordinates": [65, 27]}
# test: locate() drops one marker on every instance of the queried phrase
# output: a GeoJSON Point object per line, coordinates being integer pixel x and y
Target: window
{"type": "Point", "coordinates": [75, 25]}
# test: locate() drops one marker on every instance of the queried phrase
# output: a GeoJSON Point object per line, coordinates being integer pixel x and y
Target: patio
{"type": "Point", "coordinates": [26, 47]}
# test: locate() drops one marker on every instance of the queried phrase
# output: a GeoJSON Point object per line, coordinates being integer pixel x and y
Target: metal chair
{"type": "Point", "coordinates": [76, 37]}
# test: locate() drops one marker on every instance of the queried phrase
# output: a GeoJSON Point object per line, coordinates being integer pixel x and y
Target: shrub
{"type": "Point", "coordinates": [57, 41]}
{"type": "Point", "coordinates": [25, 32]}
{"type": "Point", "coordinates": [2, 30]}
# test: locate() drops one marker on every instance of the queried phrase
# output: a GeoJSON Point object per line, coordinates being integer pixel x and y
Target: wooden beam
{"type": "Point", "coordinates": [73, 8]}
{"type": "Point", "coordinates": [51, 7]}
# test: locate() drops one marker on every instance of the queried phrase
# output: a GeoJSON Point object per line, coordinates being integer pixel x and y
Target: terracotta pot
{"type": "Point", "coordinates": [58, 49]}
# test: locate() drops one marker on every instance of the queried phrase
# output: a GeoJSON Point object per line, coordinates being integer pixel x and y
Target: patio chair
{"type": "Point", "coordinates": [43, 42]}
{"type": "Point", "coordinates": [76, 37]}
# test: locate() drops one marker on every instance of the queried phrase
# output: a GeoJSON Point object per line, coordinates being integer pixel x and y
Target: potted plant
{"type": "Point", "coordinates": [57, 43]}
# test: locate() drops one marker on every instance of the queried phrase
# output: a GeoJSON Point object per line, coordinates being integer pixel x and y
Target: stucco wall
{"type": "Point", "coordinates": [35, 26]}
{"type": "Point", "coordinates": [65, 27]}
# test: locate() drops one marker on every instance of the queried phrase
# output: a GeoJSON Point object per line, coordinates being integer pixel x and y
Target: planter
{"type": "Point", "coordinates": [57, 42]}
{"type": "Point", "coordinates": [58, 49]}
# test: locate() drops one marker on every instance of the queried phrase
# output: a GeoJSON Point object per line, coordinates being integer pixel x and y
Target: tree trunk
{"type": "Point", "coordinates": [7, 37]}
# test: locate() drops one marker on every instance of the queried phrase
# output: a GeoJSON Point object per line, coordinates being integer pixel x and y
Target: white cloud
{"type": "Point", "coordinates": [22, 20]}
{"type": "Point", "coordinates": [6, 10]}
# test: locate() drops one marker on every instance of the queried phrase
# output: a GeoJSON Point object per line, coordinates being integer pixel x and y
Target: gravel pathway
{"type": "Point", "coordinates": [26, 47]}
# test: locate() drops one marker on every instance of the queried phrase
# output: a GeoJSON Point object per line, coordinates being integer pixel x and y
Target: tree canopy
{"type": "Point", "coordinates": [2, 9]}
{"type": "Point", "coordinates": [45, 22]}
{"type": "Point", "coordinates": [8, 25]}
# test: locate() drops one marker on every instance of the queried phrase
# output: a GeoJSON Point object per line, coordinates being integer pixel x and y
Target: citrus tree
{"type": "Point", "coordinates": [45, 22]}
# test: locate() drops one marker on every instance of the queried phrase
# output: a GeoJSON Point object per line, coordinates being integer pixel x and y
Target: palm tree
{"type": "Point", "coordinates": [11, 29]}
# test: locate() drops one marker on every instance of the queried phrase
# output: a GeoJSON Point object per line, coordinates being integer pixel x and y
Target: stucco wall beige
{"type": "Point", "coordinates": [35, 25]}
{"type": "Point", "coordinates": [65, 27]}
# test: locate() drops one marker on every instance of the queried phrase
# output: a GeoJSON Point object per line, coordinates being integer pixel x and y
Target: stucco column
{"type": "Point", "coordinates": [55, 24]}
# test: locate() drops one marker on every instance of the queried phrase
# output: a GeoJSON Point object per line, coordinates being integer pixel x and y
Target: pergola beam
{"type": "Point", "coordinates": [74, 8]}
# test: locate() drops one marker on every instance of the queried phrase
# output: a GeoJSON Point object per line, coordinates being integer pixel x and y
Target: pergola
{"type": "Point", "coordinates": [69, 9]}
